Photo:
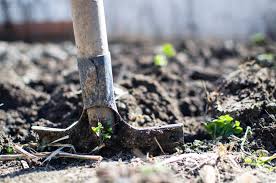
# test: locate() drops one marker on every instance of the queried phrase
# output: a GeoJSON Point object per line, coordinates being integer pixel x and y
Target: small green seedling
{"type": "Point", "coordinates": [9, 150]}
{"type": "Point", "coordinates": [261, 159]}
{"type": "Point", "coordinates": [266, 57]}
{"type": "Point", "coordinates": [98, 129]}
{"type": "Point", "coordinates": [6, 149]}
{"type": "Point", "coordinates": [223, 126]}
{"type": "Point", "coordinates": [160, 60]}
{"type": "Point", "coordinates": [258, 39]}
{"type": "Point", "coordinates": [168, 50]}
{"type": "Point", "coordinates": [101, 132]}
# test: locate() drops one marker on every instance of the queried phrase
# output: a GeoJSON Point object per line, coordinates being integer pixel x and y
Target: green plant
{"type": "Point", "coordinates": [160, 60]}
{"type": "Point", "coordinates": [103, 133]}
{"type": "Point", "coordinates": [168, 50]}
{"type": "Point", "coordinates": [258, 38]}
{"type": "Point", "coordinates": [9, 150]}
{"type": "Point", "coordinates": [266, 57]}
{"type": "Point", "coordinates": [261, 159]}
{"type": "Point", "coordinates": [6, 149]}
{"type": "Point", "coordinates": [223, 126]}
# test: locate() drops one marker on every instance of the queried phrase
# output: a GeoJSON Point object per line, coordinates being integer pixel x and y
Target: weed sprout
{"type": "Point", "coordinates": [161, 59]}
{"type": "Point", "coordinates": [168, 50]}
{"type": "Point", "coordinates": [223, 126]}
{"type": "Point", "coordinates": [258, 39]}
{"type": "Point", "coordinates": [101, 132]}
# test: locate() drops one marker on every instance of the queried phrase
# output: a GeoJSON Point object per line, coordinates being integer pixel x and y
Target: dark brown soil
{"type": "Point", "coordinates": [39, 85]}
{"type": "Point", "coordinates": [249, 94]}
{"type": "Point", "coordinates": [42, 86]}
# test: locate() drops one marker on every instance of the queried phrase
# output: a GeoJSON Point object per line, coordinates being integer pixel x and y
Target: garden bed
{"type": "Point", "coordinates": [39, 85]}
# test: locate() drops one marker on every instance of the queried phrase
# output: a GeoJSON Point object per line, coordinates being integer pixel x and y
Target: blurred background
{"type": "Point", "coordinates": [38, 20]}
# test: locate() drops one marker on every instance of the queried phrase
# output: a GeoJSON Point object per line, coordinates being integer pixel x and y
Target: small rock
{"type": "Point", "coordinates": [246, 178]}
{"type": "Point", "coordinates": [208, 174]}
{"type": "Point", "coordinates": [24, 164]}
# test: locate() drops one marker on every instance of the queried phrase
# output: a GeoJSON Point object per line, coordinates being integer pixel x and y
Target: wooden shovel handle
{"type": "Point", "coordinates": [89, 27]}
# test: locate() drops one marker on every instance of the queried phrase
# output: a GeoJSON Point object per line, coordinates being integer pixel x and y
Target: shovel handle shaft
{"type": "Point", "coordinates": [89, 27]}
{"type": "Point", "coordinates": [91, 41]}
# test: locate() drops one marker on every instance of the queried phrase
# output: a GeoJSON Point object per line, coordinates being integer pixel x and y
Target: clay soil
{"type": "Point", "coordinates": [39, 85]}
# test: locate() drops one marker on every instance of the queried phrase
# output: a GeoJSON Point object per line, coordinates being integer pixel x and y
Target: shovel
{"type": "Point", "coordinates": [94, 65]}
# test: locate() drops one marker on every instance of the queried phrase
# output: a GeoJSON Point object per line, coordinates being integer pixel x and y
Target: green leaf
{"type": "Point", "coordinates": [98, 129]}
{"type": "Point", "coordinates": [109, 130]}
{"type": "Point", "coordinates": [226, 118]}
{"type": "Point", "coordinates": [266, 57]}
{"type": "Point", "coordinates": [237, 123]}
{"type": "Point", "coordinates": [106, 136]}
{"type": "Point", "coordinates": [238, 130]}
{"type": "Point", "coordinates": [9, 150]}
{"type": "Point", "coordinates": [223, 126]}
{"type": "Point", "coordinates": [103, 133]}
{"type": "Point", "coordinates": [260, 158]}
{"type": "Point", "coordinates": [261, 153]}
{"type": "Point", "coordinates": [248, 160]}
{"type": "Point", "coordinates": [258, 38]}
{"type": "Point", "coordinates": [160, 60]}
{"type": "Point", "coordinates": [168, 50]}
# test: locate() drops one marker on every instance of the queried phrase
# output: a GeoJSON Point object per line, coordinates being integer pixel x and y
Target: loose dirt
{"type": "Point", "coordinates": [39, 85]}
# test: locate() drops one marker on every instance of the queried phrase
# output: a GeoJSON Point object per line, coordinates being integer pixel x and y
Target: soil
{"type": "Point", "coordinates": [39, 85]}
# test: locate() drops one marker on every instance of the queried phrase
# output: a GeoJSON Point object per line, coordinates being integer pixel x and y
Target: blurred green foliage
{"type": "Point", "coordinates": [261, 158]}
{"type": "Point", "coordinates": [160, 60]}
{"type": "Point", "coordinates": [168, 50]}
{"type": "Point", "coordinates": [258, 39]}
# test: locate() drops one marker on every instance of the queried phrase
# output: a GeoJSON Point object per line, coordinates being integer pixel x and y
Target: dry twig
{"type": "Point", "coordinates": [41, 155]}
{"type": "Point", "coordinates": [30, 157]}
{"type": "Point", "coordinates": [53, 154]}
{"type": "Point", "coordinates": [159, 145]}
